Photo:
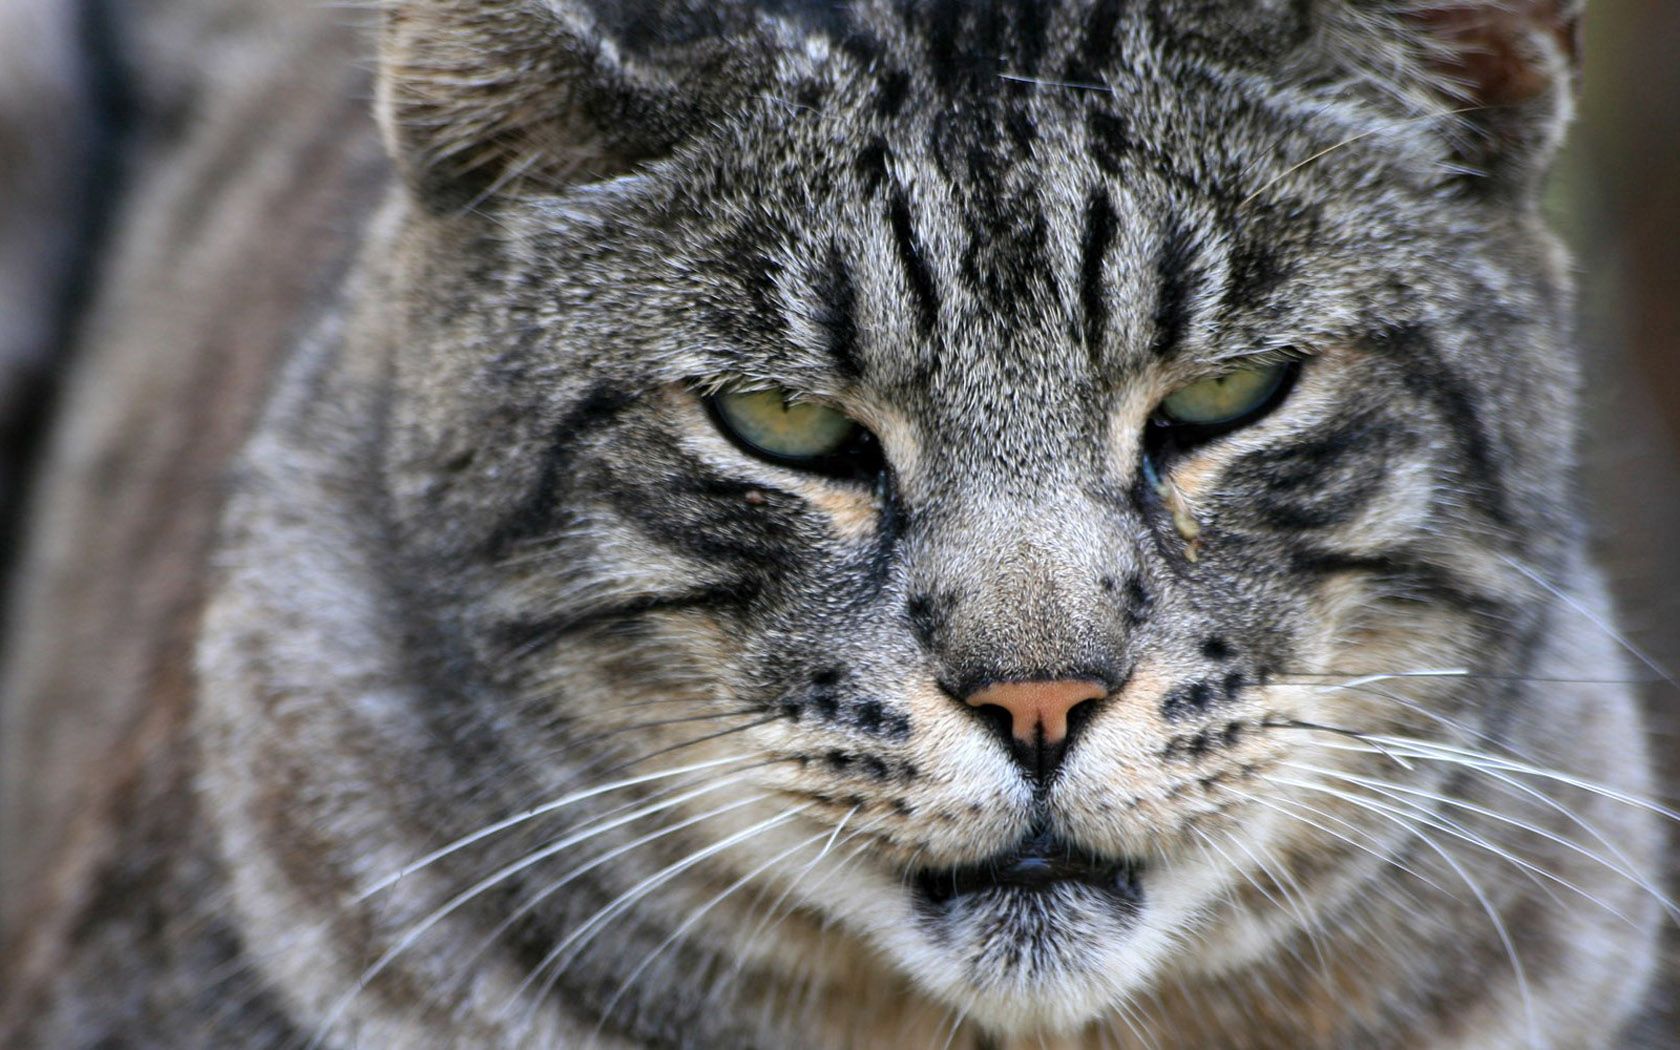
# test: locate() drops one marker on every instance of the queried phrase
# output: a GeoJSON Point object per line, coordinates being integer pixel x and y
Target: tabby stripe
{"type": "Point", "coordinates": [836, 315]}
{"type": "Point", "coordinates": [540, 632]}
{"type": "Point", "coordinates": [890, 527]}
{"type": "Point", "coordinates": [872, 166]}
{"type": "Point", "coordinates": [922, 288]}
{"type": "Point", "coordinates": [541, 509]}
{"type": "Point", "coordinates": [1424, 582]}
{"type": "Point", "coordinates": [1175, 269]}
{"type": "Point", "coordinates": [944, 25]}
{"type": "Point", "coordinates": [1430, 378]}
{"type": "Point", "coordinates": [1098, 236]}
{"type": "Point", "coordinates": [1323, 481]}
{"type": "Point", "coordinates": [1031, 28]}
{"type": "Point", "coordinates": [691, 510]}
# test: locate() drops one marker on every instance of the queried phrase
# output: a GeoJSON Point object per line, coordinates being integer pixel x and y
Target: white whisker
{"type": "Point", "coordinates": [1475, 888]}
{"type": "Point", "coordinates": [1457, 830]}
{"type": "Point", "coordinates": [689, 923]}
{"type": "Point", "coordinates": [1592, 617]}
{"type": "Point", "coordinates": [1458, 803]}
{"type": "Point", "coordinates": [584, 933]}
{"type": "Point", "coordinates": [531, 814]}
{"type": "Point", "coordinates": [455, 903]}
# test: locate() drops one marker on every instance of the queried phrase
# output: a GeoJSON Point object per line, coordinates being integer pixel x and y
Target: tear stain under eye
{"type": "Point", "coordinates": [1188, 527]}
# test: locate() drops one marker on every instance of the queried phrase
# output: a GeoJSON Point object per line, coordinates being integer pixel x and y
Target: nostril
{"type": "Point", "coordinates": [1079, 716]}
{"type": "Point", "coordinates": [1037, 719]}
{"type": "Point", "coordinates": [998, 720]}
{"type": "Point", "coordinates": [1039, 709]}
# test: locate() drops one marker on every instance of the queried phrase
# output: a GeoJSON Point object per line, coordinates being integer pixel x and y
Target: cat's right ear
{"type": "Point", "coordinates": [482, 97]}
{"type": "Point", "coordinates": [1509, 68]}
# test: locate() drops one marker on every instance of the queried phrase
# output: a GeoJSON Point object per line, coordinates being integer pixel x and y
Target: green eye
{"type": "Point", "coordinates": [799, 434]}
{"type": "Point", "coordinates": [1228, 399]}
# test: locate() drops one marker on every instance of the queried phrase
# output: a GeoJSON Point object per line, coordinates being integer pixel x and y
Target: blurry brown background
{"type": "Point", "coordinates": [1617, 198]}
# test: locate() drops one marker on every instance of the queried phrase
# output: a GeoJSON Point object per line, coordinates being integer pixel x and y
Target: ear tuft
{"type": "Point", "coordinates": [485, 97]}
{"type": "Point", "coordinates": [1512, 66]}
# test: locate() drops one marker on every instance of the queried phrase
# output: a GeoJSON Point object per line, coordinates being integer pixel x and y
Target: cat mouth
{"type": "Point", "coordinates": [1040, 863]}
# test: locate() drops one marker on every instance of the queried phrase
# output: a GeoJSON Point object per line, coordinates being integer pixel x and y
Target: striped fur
{"type": "Point", "coordinates": [526, 709]}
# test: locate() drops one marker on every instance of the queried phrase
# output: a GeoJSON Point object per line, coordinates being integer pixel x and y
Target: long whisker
{"type": "Point", "coordinates": [776, 914]}
{"type": "Point", "coordinates": [1628, 868]}
{"type": "Point", "coordinates": [495, 878]}
{"type": "Point", "coordinates": [531, 814]}
{"type": "Point", "coordinates": [1297, 903]}
{"type": "Point", "coordinates": [689, 923]}
{"type": "Point", "coordinates": [1319, 727]}
{"type": "Point", "coordinates": [1277, 804]}
{"type": "Point", "coordinates": [1414, 748]}
{"type": "Point", "coordinates": [1350, 140]}
{"type": "Point", "coordinates": [1410, 810]}
{"type": "Point", "coordinates": [1132, 1018]}
{"type": "Point", "coordinates": [1475, 888]}
{"type": "Point", "coordinates": [1463, 756]}
{"type": "Point", "coordinates": [1592, 617]}
{"type": "Point", "coordinates": [649, 756]}
{"type": "Point", "coordinates": [770, 913]}
{"type": "Point", "coordinates": [512, 918]}
{"type": "Point", "coordinates": [1208, 843]}
{"type": "Point", "coordinates": [584, 933]}
{"type": "Point", "coordinates": [1467, 675]}
{"type": "Point", "coordinates": [1458, 803]}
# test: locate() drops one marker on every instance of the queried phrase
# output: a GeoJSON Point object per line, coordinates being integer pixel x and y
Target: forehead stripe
{"type": "Point", "coordinates": [1175, 270]}
{"type": "Point", "coordinates": [1094, 243]}
{"type": "Point", "coordinates": [836, 317]}
{"type": "Point", "coordinates": [922, 288]}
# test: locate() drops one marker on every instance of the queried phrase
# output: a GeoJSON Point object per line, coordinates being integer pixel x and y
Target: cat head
{"type": "Point", "coordinates": [991, 436]}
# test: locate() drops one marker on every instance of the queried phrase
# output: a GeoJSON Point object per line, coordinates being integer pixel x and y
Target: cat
{"type": "Point", "coordinates": [872, 524]}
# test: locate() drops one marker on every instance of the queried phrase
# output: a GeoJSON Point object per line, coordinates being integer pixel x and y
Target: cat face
{"type": "Point", "coordinates": [1145, 391]}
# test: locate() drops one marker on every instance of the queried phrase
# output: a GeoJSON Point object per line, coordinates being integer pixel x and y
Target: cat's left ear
{"type": "Point", "coordinates": [483, 97]}
{"type": "Point", "coordinates": [1512, 67]}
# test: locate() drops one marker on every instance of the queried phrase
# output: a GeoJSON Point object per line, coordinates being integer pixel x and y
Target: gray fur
{"type": "Point", "coordinates": [487, 549]}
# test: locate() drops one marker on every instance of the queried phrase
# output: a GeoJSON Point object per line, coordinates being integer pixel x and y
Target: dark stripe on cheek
{"type": "Point", "coordinates": [542, 508]}
{"type": "Point", "coordinates": [1432, 380]}
{"type": "Point", "coordinates": [679, 502]}
{"type": "Point", "coordinates": [893, 521]}
{"type": "Point", "coordinates": [1407, 578]}
{"type": "Point", "coordinates": [944, 24]}
{"type": "Point", "coordinates": [1030, 28]}
{"type": "Point", "coordinates": [1094, 244]}
{"type": "Point", "coordinates": [836, 314]}
{"type": "Point", "coordinates": [1324, 481]}
{"type": "Point", "coordinates": [922, 289]}
{"type": "Point", "coordinates": [893, 89]}
{"type": "Point", "coordinates": [1174, 269]}
{"type": "Point", "coordinates": [532, 635]}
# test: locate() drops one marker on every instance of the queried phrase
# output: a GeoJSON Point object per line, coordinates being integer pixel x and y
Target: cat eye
{"type": "Point", "coordinates": [1210, 408]}
{"type": "Point", "coordinates": [803, 434]}
{"type": "Point", "coordinates": [1227, 400]}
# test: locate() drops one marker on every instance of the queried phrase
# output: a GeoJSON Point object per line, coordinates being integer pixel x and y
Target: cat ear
{"type": "Point", "coordinates": [1512, 67]}
{"type": "Point", "coordinates": [479, 97]}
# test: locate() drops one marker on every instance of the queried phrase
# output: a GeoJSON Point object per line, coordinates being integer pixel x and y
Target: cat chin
{"type": "Point", "coordinates": [1019, 961]}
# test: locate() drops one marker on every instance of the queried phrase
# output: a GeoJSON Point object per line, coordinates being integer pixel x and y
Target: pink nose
{"type": "Point", "coordinates": [1038, 707]}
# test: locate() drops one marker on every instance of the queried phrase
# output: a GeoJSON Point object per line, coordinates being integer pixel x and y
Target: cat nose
{"type": "Point", "coordinates": [1038, 729]}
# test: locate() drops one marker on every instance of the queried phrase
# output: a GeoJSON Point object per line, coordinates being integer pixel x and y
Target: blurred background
{"type": "Point", "coordinates": [1617, 199]}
